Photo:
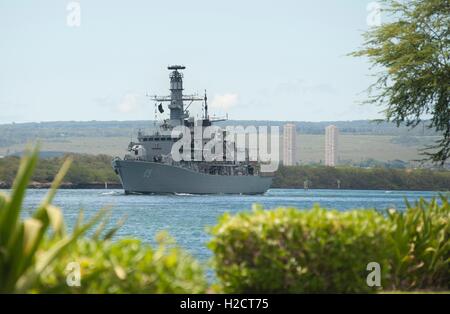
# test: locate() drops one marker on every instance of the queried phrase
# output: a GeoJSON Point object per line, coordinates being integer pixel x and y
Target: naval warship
{"type": "Point", "coordinates": [148, 166]}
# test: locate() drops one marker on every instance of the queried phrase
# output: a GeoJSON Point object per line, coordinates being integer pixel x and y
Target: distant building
{"type": "Point", "coordinates": [289, 144]}
{"type": "Point", "coordinates": [331, 145]}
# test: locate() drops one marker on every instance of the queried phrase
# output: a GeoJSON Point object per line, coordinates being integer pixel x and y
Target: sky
{"type": "Point", "coordinates": [258, 60]}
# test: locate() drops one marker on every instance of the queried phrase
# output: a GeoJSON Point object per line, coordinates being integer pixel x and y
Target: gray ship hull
{"type": "Point", "coordinates": [153, 177]}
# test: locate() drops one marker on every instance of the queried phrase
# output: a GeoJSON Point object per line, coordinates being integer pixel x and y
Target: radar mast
{"type": "Point", "coordinates": [176, 99]}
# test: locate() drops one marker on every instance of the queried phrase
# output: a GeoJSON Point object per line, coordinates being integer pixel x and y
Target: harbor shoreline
{"type": "Point", "coordinates": [114, 185]}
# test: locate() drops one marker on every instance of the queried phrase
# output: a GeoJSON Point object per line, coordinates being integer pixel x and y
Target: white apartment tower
{"type": "Point", "coordinates": [331, 145]}
{"type": "Point", "coordinates": [289, 144]}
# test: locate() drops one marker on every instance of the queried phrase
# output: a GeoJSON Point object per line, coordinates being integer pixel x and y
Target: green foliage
{"type": "Point", "coordinates": [412, 53]}
{"type": "Point", "coordinates": [421, 242]}
{"type": "Point", "coordinates": [90, 169]}
{"type": "Point", "coordinates": [318, 250]}
{"type": "Point", "coordinates": [126, 266]}
{"type": "Point", "coordinates": [292, 251]}
{"type": "Point", "coordinates": [84, 169]}
{"type": "Point", "coordinates": [21, 241]}
{"type": "Point", "coordinates": [359, 178]}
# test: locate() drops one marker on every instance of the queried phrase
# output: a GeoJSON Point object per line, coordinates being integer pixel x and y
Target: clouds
{"type": "Point", "coordinates": [129, 103]}
{"type": "Point", "coordinates": [225, 101]}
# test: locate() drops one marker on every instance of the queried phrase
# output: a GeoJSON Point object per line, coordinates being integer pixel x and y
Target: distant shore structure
{"type": "Point", "coordinates": [289, 144]}
{"type": "Point", "coordinates": [331, 145]}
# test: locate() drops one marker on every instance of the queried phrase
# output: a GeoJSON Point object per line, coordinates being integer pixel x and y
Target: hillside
{"type": "Point", "coordinates": [359, 141]}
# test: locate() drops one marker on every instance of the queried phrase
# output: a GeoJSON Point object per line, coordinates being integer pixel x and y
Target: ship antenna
{"type": "Point", "coordinates": [206, 106]}
{"type": "Point", "coordinates": [156, 117]}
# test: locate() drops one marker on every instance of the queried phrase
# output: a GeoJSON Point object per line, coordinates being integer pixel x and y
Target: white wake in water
{"type": "Point", "coordinates": [186, 194]}
{"type": "Point", "coordinates": [111, 193]}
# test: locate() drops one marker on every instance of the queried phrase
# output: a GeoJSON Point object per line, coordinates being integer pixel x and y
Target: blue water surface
{"type": "Point", "coordinates": [186, 217]}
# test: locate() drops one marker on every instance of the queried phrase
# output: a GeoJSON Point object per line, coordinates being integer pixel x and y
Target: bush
{"type": "Point", "coordinates": [126, 266]}
{"type": "Point", "coordinates": [420, 246]}
{"type": "Point", "coordinates": [22, 258]}
{"type": "Point", "coordinates": [293, 251]}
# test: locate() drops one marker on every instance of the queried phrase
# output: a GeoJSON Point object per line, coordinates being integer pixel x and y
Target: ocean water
{"type": "Point", "coordinates": [186, 217]}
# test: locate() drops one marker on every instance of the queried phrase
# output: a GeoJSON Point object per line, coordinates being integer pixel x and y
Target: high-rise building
{"type": "Point", "coordinates": [331, 145]}
{"type": "Point", "coordinates": [289, 144]}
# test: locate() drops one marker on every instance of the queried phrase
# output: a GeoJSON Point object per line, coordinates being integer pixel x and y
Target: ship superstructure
{"type": "Point", "coordinates": [149, 166]}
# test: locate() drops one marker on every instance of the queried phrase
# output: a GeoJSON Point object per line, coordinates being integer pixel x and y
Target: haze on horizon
{"type": "Point", "coordinates": [259, 60]}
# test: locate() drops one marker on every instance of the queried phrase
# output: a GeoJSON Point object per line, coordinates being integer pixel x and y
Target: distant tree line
{"type": "Point", "coordinates": [90, 169]}
{"type": "Point", "coordinates": [84, 169]}
{"type": "Point", "coordinates": [322, 177]}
